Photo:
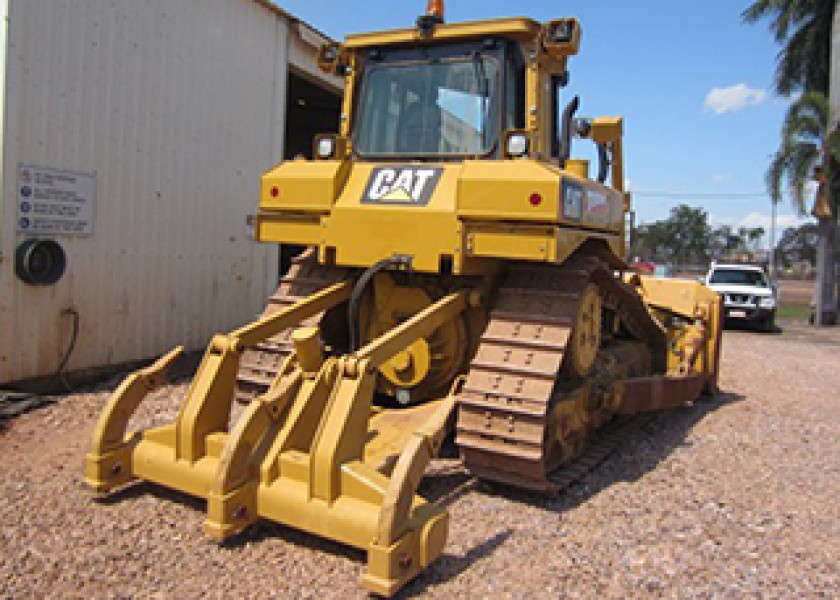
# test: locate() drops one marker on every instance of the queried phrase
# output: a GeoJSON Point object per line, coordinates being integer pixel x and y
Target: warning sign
{"type": "Point", "coordinates": [55, 202]}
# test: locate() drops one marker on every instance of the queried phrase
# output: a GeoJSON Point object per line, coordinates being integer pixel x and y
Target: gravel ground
{"type": "Point", "coordinates": [737, 496]}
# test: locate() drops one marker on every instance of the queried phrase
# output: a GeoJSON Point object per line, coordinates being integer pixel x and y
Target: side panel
{"type": "Point", "coordinates": [531, 191]}
{"type": "Point", "coordinates": [174, 107]}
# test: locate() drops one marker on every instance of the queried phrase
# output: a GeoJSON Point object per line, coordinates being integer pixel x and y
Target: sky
{"type": "Point", "coordinates": [692, 81]}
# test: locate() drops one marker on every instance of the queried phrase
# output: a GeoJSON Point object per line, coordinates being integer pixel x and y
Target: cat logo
{"type": "Point", "coordinates": [402, 185]}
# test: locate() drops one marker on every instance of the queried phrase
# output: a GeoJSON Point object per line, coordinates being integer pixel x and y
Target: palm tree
{"type": "Point", "coordinates": [803, 27]}
{"type": "Point", "coordinates": [806, 148]}
{"type": "Point", "coordinates": [809, 150]}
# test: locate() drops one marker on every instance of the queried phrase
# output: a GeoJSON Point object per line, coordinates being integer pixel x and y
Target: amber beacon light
{"type": "Point", "coordinates": [434, 16]}
{"type": "Point", "coordinates": [435, 9]}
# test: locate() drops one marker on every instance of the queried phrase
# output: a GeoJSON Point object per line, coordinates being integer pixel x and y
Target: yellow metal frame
{"type": "Point", "coordinates": [517, 27]}
{"type": "Point", "coordinates": [299, 454]}
{"type": "Point", "coordinates": [695, 346]}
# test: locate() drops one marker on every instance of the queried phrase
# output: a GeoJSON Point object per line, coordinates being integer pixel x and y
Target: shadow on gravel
{"type": "Point", "coordinates": [260, 531]}
{"type": "Point", "coordinates": [733, 325]}
{"type": "Point", "coordinates": [267, 530]}
{"type": "Point", "coordinates": [789, 330]}
{"type": "Point", "coordinates": [449, 567]}
{"type": "Point", "coordinates": [446, 488]}
{"type": "Point", "coordinates": [648, 443]}
{"type": "Point", "coordinates": [141, 488]}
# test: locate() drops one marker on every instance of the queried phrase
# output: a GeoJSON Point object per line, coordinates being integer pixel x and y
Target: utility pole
{"type": "Point", "coordinates": [772, 257]}
{"type": "Point", "coordinates": [826, 292]}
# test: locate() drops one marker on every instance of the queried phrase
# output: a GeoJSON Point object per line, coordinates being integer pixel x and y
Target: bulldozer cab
{"type": "Point", "coordinates": [453, 151]}
{"type": "Point", "coordinates": [453, 92]}
{"type": "Point", "coordinates": [437, 103]}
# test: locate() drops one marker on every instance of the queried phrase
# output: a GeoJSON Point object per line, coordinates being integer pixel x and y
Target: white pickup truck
{"type": "Point", "coordinates": [747, 293]}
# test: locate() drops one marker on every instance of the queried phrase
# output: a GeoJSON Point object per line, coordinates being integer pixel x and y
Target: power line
{"type": "Point", "coordinates": [699, 195]}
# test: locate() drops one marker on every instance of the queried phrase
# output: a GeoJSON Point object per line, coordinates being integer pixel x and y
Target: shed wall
{"type": "Point", "coordinates": [177, 107]}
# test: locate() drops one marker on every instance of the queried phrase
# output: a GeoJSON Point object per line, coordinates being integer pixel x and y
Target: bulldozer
{"type": "Point", "coordinates": [464, 282]}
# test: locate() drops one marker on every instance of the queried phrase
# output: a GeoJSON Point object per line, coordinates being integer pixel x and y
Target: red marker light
{"type": "Point", "coordinates": [275, 191]}
{"type": "Point", "coordinates": [535, 199]}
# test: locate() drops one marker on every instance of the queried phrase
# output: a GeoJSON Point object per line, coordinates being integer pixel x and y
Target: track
{"type": "Point", "coordinates": [522, 411]}
{"type": "Point", "coordinates": [519, 419]}
{"type": "Point", "coordinates": [260, 365]}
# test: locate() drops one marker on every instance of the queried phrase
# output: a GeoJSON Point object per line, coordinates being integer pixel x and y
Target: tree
{"type": "Point", "coordinates": [798, 245]}
{"type": "Point", "coordinates": [725, 241]}
{"type": "Point", "coordinates": [805, 29]}
{"type": "Point", "coordinates": [683, 238]}
{"type": "Point", "coordinates": [808, 147]}
{"type": "Point", "coordinates": [805, 148]}
{"type": "Point", "coordinates": [752, 238]}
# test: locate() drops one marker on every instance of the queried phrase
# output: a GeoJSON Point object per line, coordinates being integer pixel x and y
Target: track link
{"type": "Point", "coordinates": [259, 365]}
{"type": "Point", "coordinates": [511, 425]}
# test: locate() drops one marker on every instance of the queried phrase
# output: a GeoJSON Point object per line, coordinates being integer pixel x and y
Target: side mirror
{"type": "Point", "coordinates": [702, 280]}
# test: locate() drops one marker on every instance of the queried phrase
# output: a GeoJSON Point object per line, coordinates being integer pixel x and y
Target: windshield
{"type": "Point", "coordinates": [428, 108]}
{"type": "Point", "coordinates": [738, 277]}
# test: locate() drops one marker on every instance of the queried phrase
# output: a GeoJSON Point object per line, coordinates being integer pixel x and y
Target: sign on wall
{"type": "Point", "coordinates": [55, 201]}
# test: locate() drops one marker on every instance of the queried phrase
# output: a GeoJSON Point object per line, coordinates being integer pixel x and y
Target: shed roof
{"type": "Point", "coordinates": [289, 16]}
{"type": "Point", "coordinates": [304, 42]}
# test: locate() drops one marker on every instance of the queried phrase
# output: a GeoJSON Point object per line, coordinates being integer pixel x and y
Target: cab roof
{"type": "Point", "coordinates": [515, 27]}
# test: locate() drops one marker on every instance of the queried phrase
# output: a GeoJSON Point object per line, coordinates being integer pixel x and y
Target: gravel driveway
{"type": "Point", "coordinates": [737, 496]}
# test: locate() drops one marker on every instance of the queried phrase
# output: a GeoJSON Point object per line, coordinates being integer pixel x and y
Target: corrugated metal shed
{"type": "Point", "coordinates": [176, 108]}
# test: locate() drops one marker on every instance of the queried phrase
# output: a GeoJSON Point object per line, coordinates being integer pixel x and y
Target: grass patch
{"type": "Point", "coordinates": [799, 312]}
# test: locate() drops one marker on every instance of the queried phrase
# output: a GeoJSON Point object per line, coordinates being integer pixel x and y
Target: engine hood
{"type": "Point", "coordinates": [728, 288]}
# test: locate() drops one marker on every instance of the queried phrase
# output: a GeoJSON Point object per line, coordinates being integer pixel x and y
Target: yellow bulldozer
{"type": "Point", "coordinates": [464, 278]}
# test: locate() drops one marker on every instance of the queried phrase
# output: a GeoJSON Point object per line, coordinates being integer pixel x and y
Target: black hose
{"type": "Point", "coordinates": [59, 373]}
{"type": "Point", "coordinates": [603, 163]}
{"type": "Point", "coordinates": [361, 285]}
{"type": "Point", "coordinates": [565, 150]}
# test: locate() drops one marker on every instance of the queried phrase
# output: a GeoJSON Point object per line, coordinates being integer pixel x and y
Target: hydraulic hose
{"type": "Point", "coordinates": [603, 162]}
{"type": "Point", "coordinates": [565, 150]}
{"type": "Point", "coordinates": [362, 283]}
